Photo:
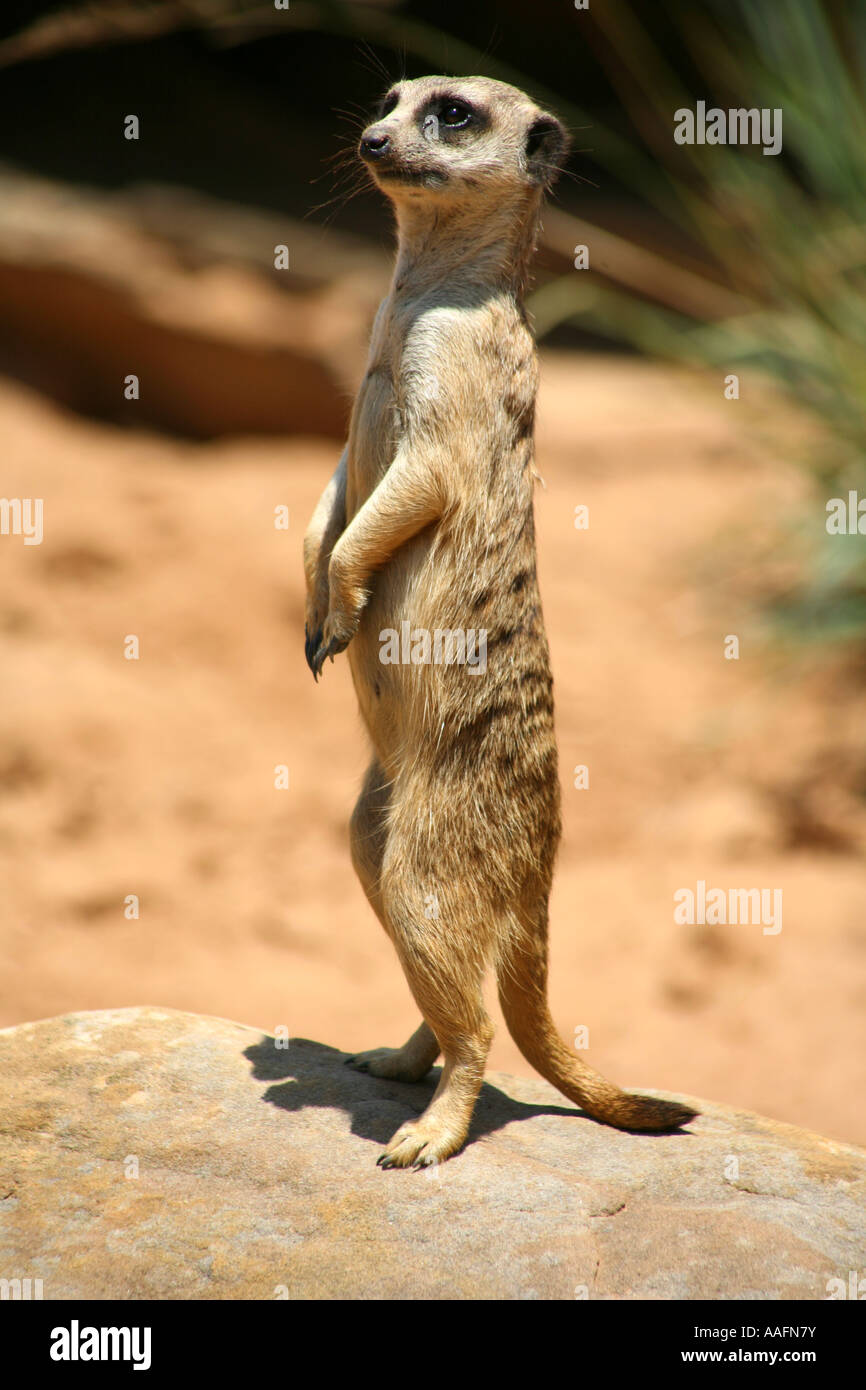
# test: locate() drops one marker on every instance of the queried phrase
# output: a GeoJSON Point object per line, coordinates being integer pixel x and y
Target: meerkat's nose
{"type": "Point", "coordinates": [374, 146]}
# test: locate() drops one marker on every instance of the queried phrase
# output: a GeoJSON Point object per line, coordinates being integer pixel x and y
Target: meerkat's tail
{"type": "Point", "coordinates": [522, 981]}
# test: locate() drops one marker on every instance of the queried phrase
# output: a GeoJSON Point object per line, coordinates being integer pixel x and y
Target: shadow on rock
{"type": "Point", "coordinates": [310, 1075]}
{"type": "Point", "coordinates": [307, 1074]}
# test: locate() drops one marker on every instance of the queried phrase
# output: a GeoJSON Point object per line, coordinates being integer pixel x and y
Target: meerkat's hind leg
{"type": "Point", "coordinates": [450, 998]}
{"type": "Point", "coordinates": [368, 834]}
{"type": "Point", "coordinates": [411, 1062]}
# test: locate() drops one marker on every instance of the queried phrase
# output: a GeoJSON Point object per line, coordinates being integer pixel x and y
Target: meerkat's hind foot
{"type": "Point", "coordinates": [422, 1143]}
{"type": "Point", "coordinates": [391, 1063]}
{"type": "Point", "coordinates": [411, 1062]}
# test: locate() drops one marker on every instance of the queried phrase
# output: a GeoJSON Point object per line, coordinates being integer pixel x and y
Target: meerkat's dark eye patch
{"type": "Point", "coordinates": [387, 104]}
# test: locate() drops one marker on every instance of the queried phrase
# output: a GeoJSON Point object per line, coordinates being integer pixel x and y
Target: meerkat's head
{"type": "Point", "coordinates": [462, 139]}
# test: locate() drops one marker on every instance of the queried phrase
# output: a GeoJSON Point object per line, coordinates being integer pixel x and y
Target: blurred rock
{"type": "Point", "coordinates": [181, 291]}
{"type": "Point", "coordinates": [154, 1154]}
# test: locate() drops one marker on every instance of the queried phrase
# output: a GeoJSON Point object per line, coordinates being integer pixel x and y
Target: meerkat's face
{"type": "Point", "coordinates": [454, 138]}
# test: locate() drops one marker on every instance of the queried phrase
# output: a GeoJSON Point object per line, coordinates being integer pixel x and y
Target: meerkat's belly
{"type": "Point", "coordinates": [388, 681]}
{"type": "Point", "coordinates": [452, 630]}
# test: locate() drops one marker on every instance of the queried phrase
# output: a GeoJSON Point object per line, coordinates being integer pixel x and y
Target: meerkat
{"type": "Point", "coordinates": [428, 521]}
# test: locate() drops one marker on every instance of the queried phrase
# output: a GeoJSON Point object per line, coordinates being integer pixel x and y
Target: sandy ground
{"type": "Point", "coordinates": [155, 777]}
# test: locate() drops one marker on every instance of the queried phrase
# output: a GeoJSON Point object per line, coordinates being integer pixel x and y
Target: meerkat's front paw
{"type": "Point", "coordinates": [422, 1143]}
{"type": "Point", "coordinates": [333, 637]}
{"type": "Point", "coordinates": [390, 1063]}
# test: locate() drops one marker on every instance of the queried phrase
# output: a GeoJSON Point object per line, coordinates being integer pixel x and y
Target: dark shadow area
{"type": "Point", "coordinates": [311, 1074]}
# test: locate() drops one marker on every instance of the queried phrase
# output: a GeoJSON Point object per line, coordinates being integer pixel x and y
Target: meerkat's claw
{"type": "Point", "coordinates": [311, 646]}
{"type": "Point", "coordinates": [386, 1160]}
{"type": "Point", "coordinates": [330, 648]}
{"type": "Point", "coordinates": [319, 659]}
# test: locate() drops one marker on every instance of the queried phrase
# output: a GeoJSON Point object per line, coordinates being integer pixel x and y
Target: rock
{"type": "Point", "coordinates": [181, 291]}
{"type": "Point", "coordinates": [147, 1153]}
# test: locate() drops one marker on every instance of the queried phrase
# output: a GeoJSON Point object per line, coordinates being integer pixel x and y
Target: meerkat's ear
{"type": "Point", "coordinates": [546, 147]}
